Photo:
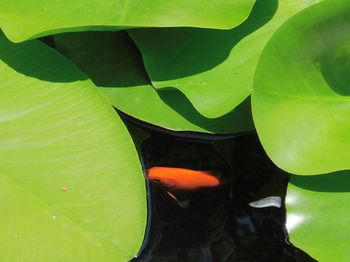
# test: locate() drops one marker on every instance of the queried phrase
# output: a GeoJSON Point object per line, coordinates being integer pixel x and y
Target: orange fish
{"type": "Point", "coordinates": [182, 179]}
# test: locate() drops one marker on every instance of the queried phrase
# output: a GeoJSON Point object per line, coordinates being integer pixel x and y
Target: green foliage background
{"type": "Point", "coordinates": [71, 183]}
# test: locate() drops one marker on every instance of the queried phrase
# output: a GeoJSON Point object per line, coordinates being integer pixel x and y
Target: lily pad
{"type": "Point", "coordinates": [114, 64]}
{"type": "Point", "coordinates": [214, 69]}
{"type": "Point", "coordinates": [301, 100]}
{"type": "Point", "coordinates": [71, 185]}
{"type": "Point", "coordinates": [318, 216]}
{"type": "Point", "coordinates": [21, 19]}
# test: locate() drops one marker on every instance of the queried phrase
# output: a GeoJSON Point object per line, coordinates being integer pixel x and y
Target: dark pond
{"type": "Point", "coordinates": [241, 219]}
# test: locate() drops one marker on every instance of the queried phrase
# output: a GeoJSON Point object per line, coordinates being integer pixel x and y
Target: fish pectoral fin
{"type": "Point", "coordinates": [182, 203]}
{"type": "Point", "coordinates": [172, 196]}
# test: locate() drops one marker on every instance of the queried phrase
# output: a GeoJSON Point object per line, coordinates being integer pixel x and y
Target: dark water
{"type": "Point", "coordinates": [216, 224]}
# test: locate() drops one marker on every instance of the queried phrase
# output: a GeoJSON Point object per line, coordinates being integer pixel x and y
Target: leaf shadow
{"type": "Point", "coordinates": [35, 59]}
{"type": "Point", "coordinates": [208, 47]}
{"type": "Point", "coordinates": [332, 182]}
{"type": "Point", "coordinates": [110, 59]}
{"type": "Point", "coordinates": [182, 105]}
{"type": "Point", "coordinates": [336, 72]}
{"type": "Point", "coordinates": [108, 67]}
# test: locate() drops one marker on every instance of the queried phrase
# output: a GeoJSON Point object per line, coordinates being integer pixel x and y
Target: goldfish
{"type": "Point", "coordinates": [182, 179]}
{"type": "Point", "coordinates": [175, 180]}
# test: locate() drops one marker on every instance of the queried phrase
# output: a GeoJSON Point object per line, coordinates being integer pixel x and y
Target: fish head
{"type": "Point", "coordinates": [161, 179]}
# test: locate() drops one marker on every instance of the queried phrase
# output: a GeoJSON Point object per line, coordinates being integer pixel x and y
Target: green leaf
{"type": "Point", "coordinates": [114, 64]}
{"type": "Point", "coordinates": [318, 215]}
{"type": "Point", "coordinates": [57, 134]}
{"type": "Point", "coordinates": [300, 99]}
{"type": "Point", "coordinates": [22, 19]}
{"type": "Point", "coordinates": [213, 68]}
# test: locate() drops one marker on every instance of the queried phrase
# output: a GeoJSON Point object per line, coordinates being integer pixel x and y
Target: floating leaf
{"type": "Point", "coordinates": [318, 217]}
{"type": "Point", "coordinates": [300, 100]}
{"type": "Point", "coordinates": [114, 64]}
{"type": "Point", "coordinates": [71, 184]}
{"type": "Point", "coordinates": [22, 19]}
{"type": "Point", "coordinates": [213, 68]}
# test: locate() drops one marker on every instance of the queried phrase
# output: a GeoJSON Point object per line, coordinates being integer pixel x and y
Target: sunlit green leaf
{"type": "Point", "coordinates": [213, 68]}
{"type": "Point", "coordinates": [71, 185]}
{"type": "Point", "coordinates": [22, 19]}
{"type": "Point", "coordinates": [318, 216]}
{"type": "Point", "coordinates": [301, 98]}
{"type": "Point", "coordinates": [114, 64]}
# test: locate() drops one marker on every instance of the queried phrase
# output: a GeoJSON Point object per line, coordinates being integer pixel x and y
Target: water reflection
{"type": "Point", "coordinates": [294, 220]}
